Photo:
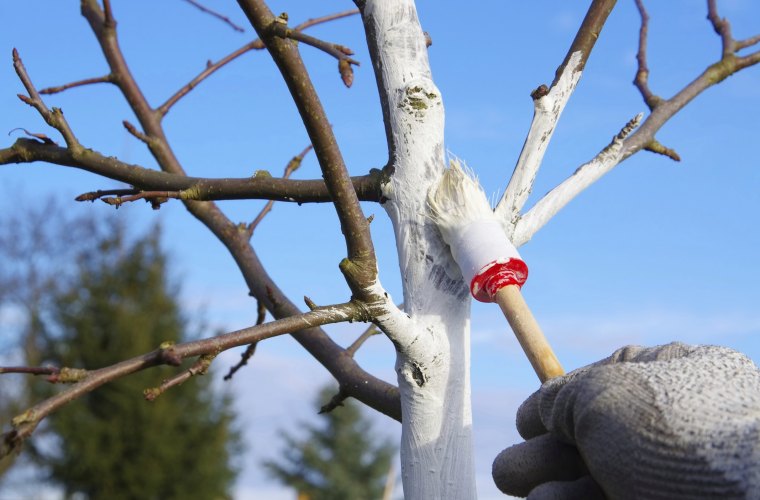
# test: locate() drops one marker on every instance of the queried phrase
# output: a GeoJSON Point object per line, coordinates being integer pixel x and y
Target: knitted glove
{"type": "Point", "coordinates": [669, 422]}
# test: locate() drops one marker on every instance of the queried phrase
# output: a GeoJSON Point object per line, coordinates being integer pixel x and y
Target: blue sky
{"type": "Point", "coordinates": [655, 251]}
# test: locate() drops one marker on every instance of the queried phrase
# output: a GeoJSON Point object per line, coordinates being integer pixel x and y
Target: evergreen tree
{"type": "Point", "coordinates": [111, 443]}
{"type": "Point", "coordinates": [336, 461]}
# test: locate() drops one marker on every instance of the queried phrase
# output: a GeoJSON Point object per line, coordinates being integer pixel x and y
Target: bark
{"type": "Point", "coordinates": [433, 354]}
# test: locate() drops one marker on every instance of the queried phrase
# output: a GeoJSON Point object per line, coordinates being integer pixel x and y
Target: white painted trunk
{"type": "Point", "coordinates": [433, 361]}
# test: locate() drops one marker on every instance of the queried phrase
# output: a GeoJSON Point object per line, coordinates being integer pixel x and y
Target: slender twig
{"type": "Point", "coordinates": [749, 42]}
{"type": "Point", "coordinates": [339, 52]}
{"type": "Point", "coordinates": [641, 81]}
{"type": "Point", "coordinates": [335, 401]}
{"type": "Point", "coordinates": [291, 167]}
{"type": "Point", "coordinates": [253, 45]}
{"type": "Point", "coordinates": [53, 118]}
{"type": "Point", "coordinates": [251, 349]}
{"type": "Point", "coordinates": [722, 27]}
{"type": "Point", "coordinates": [136, 133]}
{"type": "Point", "coordinates": [30, 370]}
{"type": "Point", "coordinates": [369, 332]}
{"type": "Point", "coordinates": [217, 15]}
{"type": "Point", "coordinates": [25, 423]}
{"type": "Point", "coordinates": [79, 83]}
{"type": "Point", "coordinates": [200, 367]}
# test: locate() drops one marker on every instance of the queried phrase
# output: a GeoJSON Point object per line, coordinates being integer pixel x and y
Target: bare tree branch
{"type": "Point", "coordinates": [367, 187]}
{"type": "Point", "coordinates": [200, 367]}
{"type": "Point", "coordinates": [254, 45]}
{"type": "Point", "coordinates": [217, 15]}
{"type": "Point", "coordinates": [79, 83]}
{"type": "Point", "coordinates": [25, 423]}
{"type": "Point", "coordinates": [360, 268]}
{"type": "Point", "coordinates": [339, 52]}
{"type": "Point", "coordinates": [291, 167]}
{"type": "Point", "coordinates": [362, 385]}
{"type": "Point", "coordinates": [662, 110]}
{"type": "Point", "coordinates": [53, 118]}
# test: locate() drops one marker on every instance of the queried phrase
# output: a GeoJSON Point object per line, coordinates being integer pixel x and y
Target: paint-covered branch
{"type": "Point", "coordinates": [556, 199]}
{"type": "Point", "coordinates": [549, 102]}
{"type": "Point", "coordinates": [433, 358]}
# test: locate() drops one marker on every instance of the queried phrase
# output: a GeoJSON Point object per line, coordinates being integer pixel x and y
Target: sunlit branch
{"type": "Point", "coordinates": [200, 367]}
{"type": "Point", "coordinates": [339, 52]}
{"type": "Point", "coordinates": [360, 268]}
{"type": "Point", "coordinates": [556, 199]}
{"type": "Point", "coordinates": [79, 83]}
{"type": "Point", "coordinates": [291, 167]}
{"type": "Point", "coordinates": [53, 118]}
{"type": "Point", "coordinates": [217, 15]}
{"type": "Point", "coordinates": [549, 102]}
{"type": "Point", "coordinates": [25, 423]}
{"type": "Point", "coordinates": [250, 350]}
{"type": "Point", "coordinates": [253, 45]}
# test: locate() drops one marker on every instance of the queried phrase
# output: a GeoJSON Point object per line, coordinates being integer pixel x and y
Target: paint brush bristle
{"type": "Point", "coordinates": [458, 201]}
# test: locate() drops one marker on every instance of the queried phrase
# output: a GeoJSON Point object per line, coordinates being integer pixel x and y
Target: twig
{"type": "Point", "coordinates": [253, 45]}
{"type": "Point", "coordinates": [722, 27]}
{"type": "Point", "coordinates": [641, 81]}
{"type": "Point", "coordinates": [25, 423]}
{"type": "Point", "coordinates": [369, 332]}
{"type": "Point", "coordinates": [291, 167]}
{"type": "Point", "coordinates": [251, 349]}
{"type": "Point", "coordinates": [79, 83]}
{"type": "Point", "coordinates": [339, 52]}
{"type": "Point", "coordinates": [30, 370]}
{"type": "Point", "coordinates": [200, 367]}
{"type": "Point", "coordinates": [136, 133]}
{"type": "Point", "coordinates": [749, 42]}
{"type": "Point", "coordinates": [216, 15]}
{"type": "Point", "coordinates": [335, 401]}
{"type": "Point", "coordinates": [53, 118]}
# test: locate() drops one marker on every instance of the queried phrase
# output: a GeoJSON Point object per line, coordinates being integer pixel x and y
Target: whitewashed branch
{"type": "Point", "coordinates": [432, 344]}
{"type": "Point", "coordinates": [547, 110]}
{"type": "Point", "coordinates": [588, 173]}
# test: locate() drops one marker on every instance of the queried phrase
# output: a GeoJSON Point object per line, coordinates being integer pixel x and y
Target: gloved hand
{"type": "Point", "coordinates": [669, 422]}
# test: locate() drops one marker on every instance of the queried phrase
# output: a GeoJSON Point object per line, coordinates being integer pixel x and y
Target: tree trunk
{"type": "Point", "coordinates": [433, 357]}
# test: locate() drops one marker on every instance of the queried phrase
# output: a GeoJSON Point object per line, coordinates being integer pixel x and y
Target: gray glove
{"type": "Point", "coordinates": [669, 422]}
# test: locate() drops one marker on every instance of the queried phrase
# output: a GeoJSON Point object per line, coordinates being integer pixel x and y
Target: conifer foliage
{"type": "Point", "coordinates": [112, 443]}
{"type": "Point", "coordinates": [338, 460]}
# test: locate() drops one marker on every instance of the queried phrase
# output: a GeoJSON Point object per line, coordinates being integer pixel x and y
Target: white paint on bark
{"type": "Point", "coordinates": [547, 110]}
{"type": "Point", "coordinates": [588, 173]}
{"type": "Point", "coordinates": [433, 352]}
